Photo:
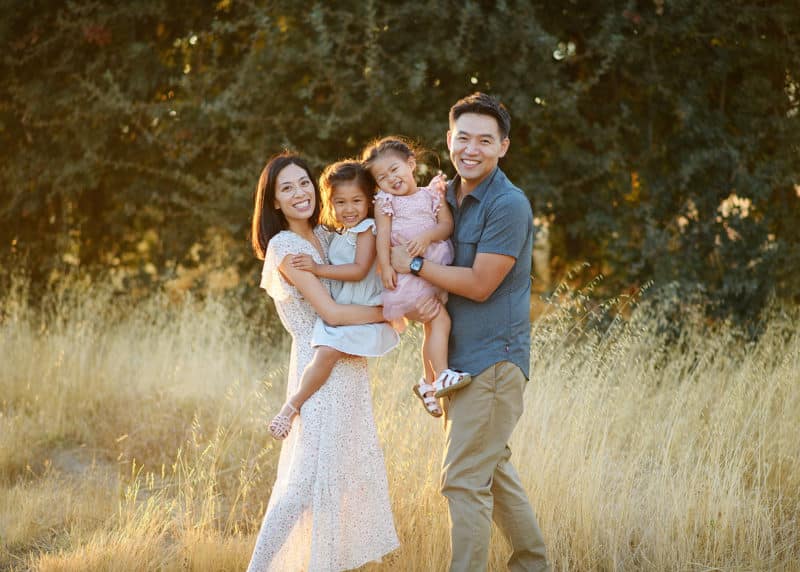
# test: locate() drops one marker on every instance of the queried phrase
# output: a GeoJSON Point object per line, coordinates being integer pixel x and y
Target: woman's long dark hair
{"type": "Point", "coordinates": [267, 220]}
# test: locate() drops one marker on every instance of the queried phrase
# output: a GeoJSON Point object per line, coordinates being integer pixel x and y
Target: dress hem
{"type": "Point", "coordinates": [360, 354]}
{"type": "Point", "coordinates": [366, 560]}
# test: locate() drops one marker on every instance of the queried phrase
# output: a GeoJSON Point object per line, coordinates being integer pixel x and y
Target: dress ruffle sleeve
{"type": "Point", "coordinates": [383, 201]}
{"type": "Point", "coordinates": [436, 199]}
{"type": "Point", "coordinates": [351, 234]}
{"type": "Point", "coordinates": [325, 236]}
{"type": "Point", "coordinates": [271, 278]}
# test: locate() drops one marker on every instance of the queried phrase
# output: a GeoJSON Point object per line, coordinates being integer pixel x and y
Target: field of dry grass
{"type": "Point", "coordinates": [133, 437]}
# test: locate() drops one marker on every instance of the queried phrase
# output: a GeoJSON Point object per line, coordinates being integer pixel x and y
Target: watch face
{"type": "Point", "coordinates": [416, 264]}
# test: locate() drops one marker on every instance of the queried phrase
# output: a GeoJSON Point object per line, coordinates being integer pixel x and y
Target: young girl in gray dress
{"type": "Point", "coordinates": [347, 193]}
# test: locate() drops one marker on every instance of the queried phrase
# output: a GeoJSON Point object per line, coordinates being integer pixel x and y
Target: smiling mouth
{"type": "Point", "coordinates": [302, 204]}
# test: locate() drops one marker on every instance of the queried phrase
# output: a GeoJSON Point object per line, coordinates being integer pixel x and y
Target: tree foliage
{"type": "Point", "coordinates": [659, 139]}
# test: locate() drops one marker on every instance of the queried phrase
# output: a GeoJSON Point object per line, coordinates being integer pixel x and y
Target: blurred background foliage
{"type": "Point", "coordinates": [657, 139]}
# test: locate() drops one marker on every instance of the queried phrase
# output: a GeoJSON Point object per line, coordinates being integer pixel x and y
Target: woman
{"type": "Point", "coordinates": [329, 508]}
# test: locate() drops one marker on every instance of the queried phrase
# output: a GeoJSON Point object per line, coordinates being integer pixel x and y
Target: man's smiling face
{"type": "Point", "coordinates": [475, 146]}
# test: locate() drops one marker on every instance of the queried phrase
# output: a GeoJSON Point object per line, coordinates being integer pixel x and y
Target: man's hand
{"type": "Point", "coordinates": [401, 259]}
{"type": "Point", "coordinates": [304, 262]}
{"type": "Point", "coordinates": [425, 310]}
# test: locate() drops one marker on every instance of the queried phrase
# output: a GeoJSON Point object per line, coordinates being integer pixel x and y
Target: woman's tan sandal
{"type": "Point", "coordinates": [449, 381]}
{"type": "Point", "coordinates": [430, 403]}
{"type": "Point", "coordinates": [281, 424]}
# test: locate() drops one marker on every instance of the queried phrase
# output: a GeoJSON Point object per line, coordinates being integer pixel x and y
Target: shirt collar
{"type": "Point", "coordinates": [477, 194]}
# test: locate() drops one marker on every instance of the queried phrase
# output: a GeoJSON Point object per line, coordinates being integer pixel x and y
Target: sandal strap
{"type": "Point", "coordinates": [281, 421]}
{"type": "Point", "coordinates": [448, 378]}
{"type": "Point", "coordinates": [432, 407]}
{"type": "Point", "coordinates": [430, 402]}
{"type": "Point", "coordinates": [425, 387]}
{"type": "Point", "coordinates": [281, 424]}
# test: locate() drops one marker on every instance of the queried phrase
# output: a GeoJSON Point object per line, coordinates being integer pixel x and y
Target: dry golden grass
{"type": "Point", "coordinates": [132, 437]}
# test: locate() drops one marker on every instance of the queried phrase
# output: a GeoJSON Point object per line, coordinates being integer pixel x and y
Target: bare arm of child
{"type": "Point", "coordinates": [320, 299]}
{"type": "Point", "coordinates": [353, 272]}
{"type": "Point", "coordinates": [383, 245]}
{"type": "Point", "coordinates": [442, 231]}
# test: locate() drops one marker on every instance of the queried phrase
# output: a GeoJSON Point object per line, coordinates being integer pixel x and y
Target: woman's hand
{"type": "Point", "coordinates": [418, 245]}
{"type": "Point", "coordinates": [304, 262]}
{"type": "Point", "coordinates": [388, 277]}
{"type": "Point", "coordinates": [425, 310]}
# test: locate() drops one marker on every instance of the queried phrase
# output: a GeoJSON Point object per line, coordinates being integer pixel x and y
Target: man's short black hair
{"type": "Point", "coordinates": [483, 104]}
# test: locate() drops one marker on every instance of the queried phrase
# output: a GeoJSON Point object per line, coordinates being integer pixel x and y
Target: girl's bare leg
{"type": "Point", "coordinates": [434, 346]}
{"type": "Point", "coordinates": [314, 376]}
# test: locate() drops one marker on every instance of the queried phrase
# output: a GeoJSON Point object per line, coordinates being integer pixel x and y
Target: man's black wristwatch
{"type": "Point", "coordinates": [416, 265]}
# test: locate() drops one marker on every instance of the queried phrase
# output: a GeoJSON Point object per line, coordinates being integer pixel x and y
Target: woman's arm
{"type": "Point", "coordinates": [353, 272]}
{"type": "Point", "coordinates": [320, 299]}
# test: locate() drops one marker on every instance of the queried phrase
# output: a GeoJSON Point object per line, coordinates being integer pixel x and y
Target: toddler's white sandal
{"type": "Point", "coordinates": [281, 424]}
{"type": "Point", "coordinates": [451, 380]}
{"type": "Point", "coordinates": [430, 402]}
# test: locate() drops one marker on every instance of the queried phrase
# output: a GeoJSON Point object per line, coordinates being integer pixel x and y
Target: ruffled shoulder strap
{"type": "Point", "coordinates": [324, 235]}
{"type": "Point", "coordinates": [282, 244]}
{"type": "Point", "coordinates": [435, 198]}
{"type": "Point", "coordinates": [351, 234]}
{"type": "Point", "coordinates": [385, 202]}
{"type": "Point", "coordinates": [366, 224]}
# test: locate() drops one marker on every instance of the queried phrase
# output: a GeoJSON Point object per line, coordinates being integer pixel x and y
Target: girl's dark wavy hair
{"type": "Point", "coordinates": [394, 144]}
{"type": "Point", "coordinates": [267, 220]}
{"type": "Point", "coordinates": [348, 171]}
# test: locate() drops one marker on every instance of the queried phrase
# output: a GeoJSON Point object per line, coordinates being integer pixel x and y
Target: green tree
{"type": "Point", "coordinates": [660, 139]}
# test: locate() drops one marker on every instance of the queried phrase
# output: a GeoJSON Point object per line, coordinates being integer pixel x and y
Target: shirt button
{"type": "Point", "coordinates": [506, 348]}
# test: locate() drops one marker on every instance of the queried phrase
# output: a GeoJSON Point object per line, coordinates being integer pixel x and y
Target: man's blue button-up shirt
{"type": "Point", "coordinates": [495, 218]}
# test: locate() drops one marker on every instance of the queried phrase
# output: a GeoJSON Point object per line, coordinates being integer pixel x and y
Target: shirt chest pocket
{"type": "Point", "coordinates": [465, 242]}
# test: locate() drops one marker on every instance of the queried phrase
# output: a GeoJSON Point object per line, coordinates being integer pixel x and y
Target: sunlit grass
{"type": "Point", "coordinates": [133, 437]}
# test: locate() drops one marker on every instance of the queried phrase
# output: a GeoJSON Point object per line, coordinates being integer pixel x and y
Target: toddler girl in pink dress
{"type": "Point", "coordinates": [418, 218]}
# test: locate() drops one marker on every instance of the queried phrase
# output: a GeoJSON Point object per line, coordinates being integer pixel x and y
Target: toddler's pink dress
{"type": "Point", "coordinates": [411, 216]}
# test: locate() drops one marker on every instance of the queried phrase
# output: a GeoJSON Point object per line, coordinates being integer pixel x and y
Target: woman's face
{"type": "Point", "coordinates": [294, 193]}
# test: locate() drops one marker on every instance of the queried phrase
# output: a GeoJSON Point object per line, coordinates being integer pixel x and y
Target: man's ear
{"type": "Point", "coordinates": [504, 147]}
{"type": "Point", "coordinates": [449, 132]}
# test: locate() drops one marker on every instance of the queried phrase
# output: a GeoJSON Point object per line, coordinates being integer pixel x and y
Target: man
{"type": "Point", "coordinates": [489, 304]}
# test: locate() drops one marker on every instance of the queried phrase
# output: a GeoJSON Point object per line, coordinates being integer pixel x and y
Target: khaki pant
{"type": "Point", "coordinates": [478, 479]}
